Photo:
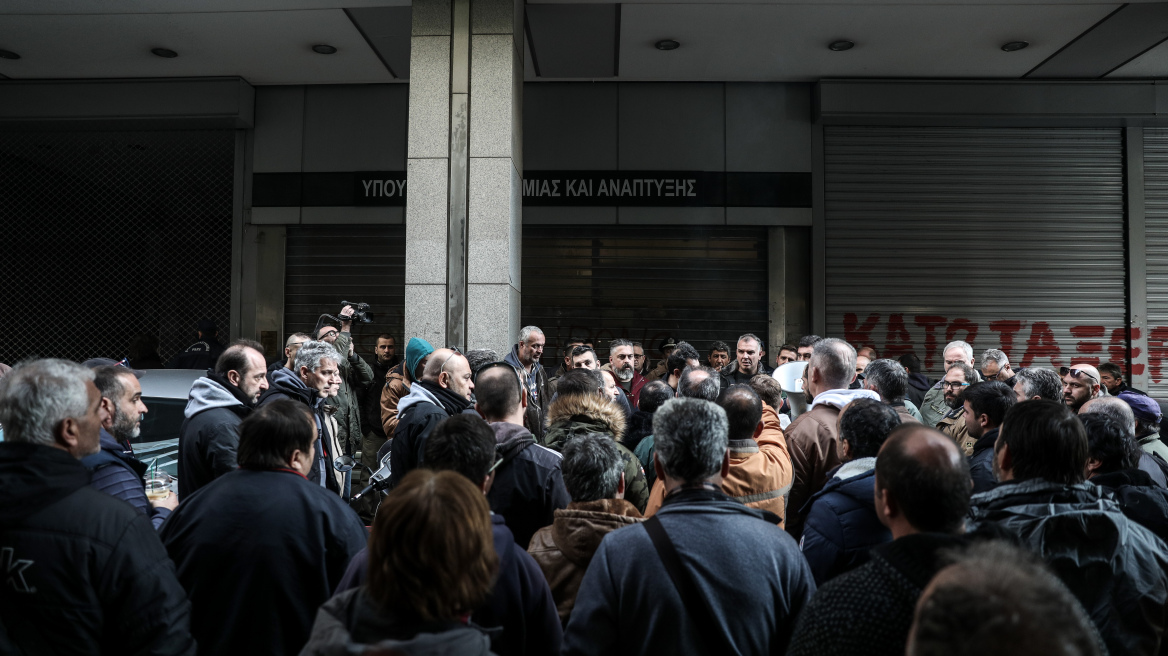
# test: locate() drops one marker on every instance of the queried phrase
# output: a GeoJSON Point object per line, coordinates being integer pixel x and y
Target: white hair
{"type": "Point", "coordinates": [964, 346]}
{"type": "Point", "coordinates": [994, 355]}
{"type": "Point", "coordinates": [35, 397]}
{"type": "Point", "coordinates": [528, 331]}
{"type": "Point", "coordinates": [312, 354]}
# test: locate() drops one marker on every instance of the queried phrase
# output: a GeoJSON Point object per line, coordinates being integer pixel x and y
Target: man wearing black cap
{"type": "Point", "coordinates": [202, 354]}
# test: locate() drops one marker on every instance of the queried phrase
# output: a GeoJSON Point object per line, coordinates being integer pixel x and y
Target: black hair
{"type": "Point", "coordinates": [706, 388]}
{"type": "Point", "coordinates": [719, 346]}
{"type": "Point", "coordinates": [653, 394]}
{"type": "Point", "coordinates": [680, 356]}
{"type": "Point", "coordinates": [789, 347]}
{"type": "Point", "coordinates": [108, 380]}
{"type": "Point", "coordinates": [463, 443]}
{"type": "Point", "coordinates": [743, 411]}
{"type": "Point", "coordinates": [991, 398]}
{"type": "Point", "coordinates": [582, 349]}
{"type": "Point", "coordinates": [808, 340]}
{"type": "Point", "coordinates": [591, 467]}
{"type": "Point", "coordinates": [911, 362]}
{"type": "Point", "coordinates": [272, 432]}
{"type": "Point", "coordinates": [865, 424]}
{"type": "Point", "coordinates": [580, 381]}
{"type": "Point", "coordinates": [234, 357]}
{"type": "Point", "coordinates": [497, 391]}
{"type": "Point", "coordinates": [931, 490]}
{"type": "Point", "coordinates": [1109, 442]}
{"type": "Point", "coordinates": [1046, 441]}
{"type": "Point", "coordinates": [1111, 368]}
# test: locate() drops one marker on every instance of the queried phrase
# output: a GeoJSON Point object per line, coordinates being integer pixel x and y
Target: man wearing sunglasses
{"type": "Point", "coordinates": [1080, 384]}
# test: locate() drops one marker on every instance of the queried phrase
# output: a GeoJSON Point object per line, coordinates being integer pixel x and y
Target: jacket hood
{"type": "Point", "coordinates": [513, 360]}
{"type": "Point", "coordinates": [508, 435]}
{"type": "Point", "coordinates": [1037, 498]}
{"type": "Point", "coordinates": [285, 382]}
{"type": "Point", "coordinates": [579, 528]}
{"type": "Point", "coordinates": [1133, 477]}
{"type": "Point", "coordinates": [418, 394]}
{"type": "Point", "coordinates": [839, 398]}
{"type": "Point", "coordinates": [33, 477]}
{"type": "Point", "coordinates": [920, 381]}
{"type": "Point", "coordinates": [588, 409]}
{"type": "Point", "coordinates": [207, 393]}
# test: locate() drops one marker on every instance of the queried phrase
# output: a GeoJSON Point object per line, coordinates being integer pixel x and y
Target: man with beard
{"type": "Point", "coordinates": [749, 361]}
{"type": "Point", "coordinates": [958, 377]}
{"type": "Point", "coordinates": [935, 404]}
{"type": "Point", "coordinates": [622, 362]}
{"type": "Point", "coordinates": [984, 406]}
{"type": "Point", "coordinates": [445, 390]}
{"type": "Point", "coordinates": [524, 356]}
{"type": "Point", "coordinates": [116, 471]}
{"type": "Point", "coordinates": [1080, 384]}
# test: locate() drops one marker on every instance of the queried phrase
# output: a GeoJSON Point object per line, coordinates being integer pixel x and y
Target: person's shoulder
{"type": "Point", "coordinates": [93, 514]}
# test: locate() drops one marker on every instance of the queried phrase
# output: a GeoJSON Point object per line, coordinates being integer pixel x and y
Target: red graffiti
{"type": "Point", "coordinates": [898, 342]}
{"type": "Point", "coordinates": [1006, 330]}
{"type": "Point", "coordinates": [1041, 344]}
{"type": "Point", "coordinates": [959, 325]}
{"type": "Point", "coordinates": [1089, 349]}
{"type": "Point", "coordinates": [860, 335]}
{"type": "Point", "coordinates": [1119, 347]}
{"type": "Point", "coordinates": [930, 324]}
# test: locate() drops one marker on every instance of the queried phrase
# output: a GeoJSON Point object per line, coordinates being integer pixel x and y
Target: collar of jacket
{"type": "Point", "coordinates": [449, 401]}
{"type": "Point", "coordinates": [1132, 477]}
{"type": "Point", "coordinates": [742, 447]}
{"type": "Point", "coordinates": [916, 556]}
{"type": "Point", "coordinates": [588, 406]}
{"type": "Point", "coordinates": [678, 500]}
{"type": "Point", "coordinates": [986, 441]}
{"type": "Point", "coordinates": [111, 443]}
{"type": "Point", "coordinates": [1039, 492]}
{"type": "Point", "coordinates": [513, 360]}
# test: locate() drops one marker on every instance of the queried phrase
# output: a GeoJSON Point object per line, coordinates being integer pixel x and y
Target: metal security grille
{"type": "Point", "coordinates": [362, 263]}
{"type": "Point", "coordinates": [1156, 206]}
{"type": "Point", "coordinates": [699, 284]}
{"type": "Point", "coordinates": [108, 236]}
{"type": "Point", "coordinates": [1009, 238]}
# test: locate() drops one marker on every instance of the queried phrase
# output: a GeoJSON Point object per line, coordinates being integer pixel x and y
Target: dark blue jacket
{"type": "Point", "coordinates": [520, 602]}
{"type": "Point", "coordinates": [842, 526]}
{"type": "Point", "coordinates": [1138, 496]}
{"type": "Point", "coordinates": [981, 462]}
{"type": "Point", "coordinates": [118, 473]}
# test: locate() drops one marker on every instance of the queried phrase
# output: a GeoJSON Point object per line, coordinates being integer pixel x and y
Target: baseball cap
{"type": "Point", "coordinates": [1143, 407]}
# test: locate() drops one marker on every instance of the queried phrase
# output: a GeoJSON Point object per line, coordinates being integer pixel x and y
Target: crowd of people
{"type": "Point", "coordinates": [838, 503]}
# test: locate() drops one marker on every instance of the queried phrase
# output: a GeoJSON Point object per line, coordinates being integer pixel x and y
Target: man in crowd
{"type": "Point", "coordinates": [622, 363]}
{"type": "Point", "coordinates": [1080, 384]}
{"type": "Point", "coordinates": [640, 362]}
{"type": "Point", "coordinates": [889, 380]}
{"type": "Point", "coordinates": [355, 374]}
{"type": "Point", "coordinates": [291, 345]}
{"type": "Point", "coordinates": [693, 383]}
{"type": "Point", "coordinates": [632, 602]}
{"type": "Point", "coordinates": [85, 571]}
{"type": "Point", "coordinates": [640, 425]}
{"type": "Point", "coordinates": [524, 356]}
{"type": "Point", "coordinates": [1111, 376]}
{"type": "Point", "coordinates": [787, 353]}
{"type": "Point", "coordinates": [1033, 384]}
{"type": "Point", "coordinates": [566, 365]}
{"type": "Point", "coordinates": [1115, 408]}
{"type": "Point", "coordinates": [813, 438]}
{"type": "Point", "coordinates": [261, 548]}
{"type": "Point", "coordinates": [316, 374]}
{"type": "Point", "coordinates": [661, 371]}
{"type": "Point", "coordinates": [681, 356]}
{"type": "Point", "coordinates": [985, 406]}
{"type": "Point", "coordinates": [373, 437]}
{"type": "Point", "coordinates": [957, 379]}
{"type": "Point", "coordinates": [528, 485]}
{"type": "Point", "coordinates": [116, 471]}
{"type": "Point", "coordinates": [1148, 416]}
{"type": "Point", "coordinates": [937, 402]}
{"type": "Point", "coordinates": [749, 361]}
{"type": "Point", "coordinates": [806, 346]}
{"type": "Point", "coordinates": [842, 524]}
{"type": "Point", "coordinates": [995, 365]}
{"type": "Point", "coordinates": [1117, 568]}
{"type": "Point", "coordinates": [1113, 464]}
{"type": "Point", "coordinates": [444, 391]}
{"type": "Point", "coordinates": [922, 496]}
{"type": "Point", "coordinates": [216, 405]}
{"type": "Point", "coordinates": [584, 357]}
{"type": "Point", "coordinates": [595, 481]}
{"type": "Point", "coordinates": [203, 353]}
{"type": "Point", "coordinates": [719, 357]}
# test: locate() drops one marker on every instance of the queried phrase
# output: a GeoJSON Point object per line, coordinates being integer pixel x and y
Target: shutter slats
{"type": "Point", "coordinates": [1156, 230]}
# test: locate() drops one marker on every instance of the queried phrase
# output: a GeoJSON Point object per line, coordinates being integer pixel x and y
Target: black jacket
{"type": "Point", "coordinates": [85, 572]}
{"type": "Point", "coordinates": [209, 436]}
{"type": "Point", "coordinates": [418, 413]}
{"type": "Point", "coordinates": [1116, 568]}
{"type": "Point", "coordinates": [529, 485]}
{"type": "Point", "coordinates": [732, 376]}
{"type": "Point", "coordinates": [539, 393]}
{"type": "Point", "coordinates": [287, 385]}
{"type": "Point", "coordinates": [842, 526]}
{"type": "Point", "coordinates": [981, 462]}
{"type": "Point", "coordinates": [918, 386]}
{"type": "Point", "coordinates": [118, 473]}
{"type": "Point", "coordinates": [258, 552]}
{"type": "Point", "coordinates": [640, 426]}
{"type": "Point", "coordinates": [1139, 498]}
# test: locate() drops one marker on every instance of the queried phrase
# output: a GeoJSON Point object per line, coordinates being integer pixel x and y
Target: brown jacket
{"type": "Point", "coordinates": [397, 385]}
{"type": "Point", "coordinates": [564, 549]}
{"type": "Point", "coordinates": [760, 470]}
{"type": "Point", "coordinates": [813, 441]}
{"type": "Point", "coordinates": [953, 425]}
{"type": "Point", "coordinates": [905, 416]}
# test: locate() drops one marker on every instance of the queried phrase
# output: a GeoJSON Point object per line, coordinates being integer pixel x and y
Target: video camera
{"type": "Point", "coordinates": [361, 312]}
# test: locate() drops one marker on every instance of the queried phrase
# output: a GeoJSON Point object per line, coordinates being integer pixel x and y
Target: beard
{"type": "Point", "coordinates": [126, 427]}
{"type": "Point", "coordinates": [625, 373]}
{"type": "Point", "coordinates": [952, 401]}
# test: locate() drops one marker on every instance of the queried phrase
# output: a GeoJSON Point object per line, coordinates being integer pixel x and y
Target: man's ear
{"type": "Point", "coordinates": [68, 434]}
{"type": "Point", "coordinates": [234, 378]}
{"type": "Point", "coordinates": [983, 420]}
{"type": "Point", "coordinates": [1093, 465]}
{"type": "Point", "coordinates": [107, 406]}
{"type": "Point", "coordinates": [725, 464]}
{"type": "Point", "coordinates": [887, 505]}
{"type": "Point", "coordinates": [758, 429]}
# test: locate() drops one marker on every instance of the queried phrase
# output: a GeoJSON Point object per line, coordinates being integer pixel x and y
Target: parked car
{"type": "Point", "coordinates": [164, 391]}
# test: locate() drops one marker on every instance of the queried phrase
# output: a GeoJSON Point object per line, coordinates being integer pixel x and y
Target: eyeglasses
{"type": "Point", "coordinates": [454, 353]}
{"type": "Point", "coordinates": [953, 384]}
{"type": "Point", "coordinates": [329, 333]}
{"type": "Point", "coordinates": [1076, 373]}
{"type": "Point", "coordinates": [496, 465]}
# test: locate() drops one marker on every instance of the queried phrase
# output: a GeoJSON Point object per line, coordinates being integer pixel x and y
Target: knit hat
{"type": "Point", "coordinates": [416, 349]}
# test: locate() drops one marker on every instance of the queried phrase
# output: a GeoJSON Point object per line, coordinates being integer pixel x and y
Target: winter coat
{"type": "Point", "coordinates": [397, 386]}
{"type": "Point", "coordinates": [644, 452]}
{"type": "Point", "coordinates": [529, 485]}
{"type": "Point", "coordinates": [906, 413]}
{"type": "Point", "coordinates": [564, 549]}
{"type": "Point", "coordinates": [658, 372]}
{"type": "Point", "coordinates": [813, 442]}
{"type": "Point", "coordinates": [209, 436]}
{"type": "Point", "coordinates": [86, 573]}
{"type": "Point", "coordinates": [580, 414]}
{"type": "Point", "coordinates": [842, 525]}
{"type": "Point", "coordinates": [355, 375]}
{"type": "Point", "coordinates": [749, 570]}
{"type": "Point", "coordinates": [981, 462]}
{"type": "Point", "coordinates": [419, 412]}
{"type": "Point", "coordinates": [119, 474]}
{"type": "Point", "coordinates": [350, 614]}
{"type": "Point", "coordinates": [538, 395]}
{"type": "Point", "coordinates": [1116, 568]}
{"type": "Point", "coordinates": [953, 425]}
{"type": "Point", "coordinates": [287, 385]}
{"type": "Point", "coordinates": [640, 426]}
{"type": "Point", "coordinates": [918, 385]}
{"type": "Point", "coordinates": [258, 552]}
{"type": "Point", "coordinates": [1154, 445]}
{"type": "Point", "coordinates": [870, 609]}
{"type": "Point", "coordinates": [760, 471]}
{"type": "Point", "coordinates": [371, 399]}
{"type": "Point", "coordinates": [519, 613]}
{"type": "Point", "coordinates": [1138, 496]}
{"type": "Point", "coordinates": [933, 407]}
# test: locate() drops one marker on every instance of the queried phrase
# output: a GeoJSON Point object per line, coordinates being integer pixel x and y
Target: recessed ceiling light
{"type": "Point", "coordinates": [667, 44]}
{"type": "Point", "coordinates": [8, 54]}
{"type": "Point", "coordinates": [840, 46]}
{"type": "Point", "coordinates": [164, 52]}
{"type": "Point", "coordinates": [323, 49]}
{"type": "Point", "coordinates": [1014, 46]}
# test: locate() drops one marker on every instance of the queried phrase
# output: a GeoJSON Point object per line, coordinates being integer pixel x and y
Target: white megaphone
{"type": "Point", "coordinates": [790, 377]}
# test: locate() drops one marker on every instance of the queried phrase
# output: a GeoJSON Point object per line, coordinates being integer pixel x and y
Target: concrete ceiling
{"type": "Point", "coordinates": [269, 41]}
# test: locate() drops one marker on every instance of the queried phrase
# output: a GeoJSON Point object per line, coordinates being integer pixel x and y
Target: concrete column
{"type": "Point", "coordinates": [463, 210]}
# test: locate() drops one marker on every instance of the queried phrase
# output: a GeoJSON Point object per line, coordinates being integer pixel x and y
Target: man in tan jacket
{"type": "Point", "coordinates": [813, 438]}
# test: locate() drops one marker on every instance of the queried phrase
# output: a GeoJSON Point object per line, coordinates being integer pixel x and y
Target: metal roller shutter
{"type": "Point", "coordinates": [361, 263]}
{"type": "Point", "coordinates": [699, 284]}
{"type": "Point", "coordinates": [1156, 229]}
{"type": "Point", "coordinates": [1008, 238]}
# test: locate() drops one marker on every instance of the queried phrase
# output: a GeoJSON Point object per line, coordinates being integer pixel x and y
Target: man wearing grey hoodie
{"type": "Point", "coordinates": [813, 438]}
{"type": "Point", "coordinates": [217, 404]}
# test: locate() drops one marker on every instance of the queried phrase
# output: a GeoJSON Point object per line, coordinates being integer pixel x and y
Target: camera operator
{"type": "Point", "coordinates": [355, 375]}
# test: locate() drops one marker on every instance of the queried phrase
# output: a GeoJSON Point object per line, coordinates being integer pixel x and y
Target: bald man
{"type": "Point", "coordinates": [922, 492]}
{"type": "Point", "coordinates": [443, 391]}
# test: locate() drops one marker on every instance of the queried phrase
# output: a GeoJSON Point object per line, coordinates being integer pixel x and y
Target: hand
{"type": "Point", "coordinates": [346, 312]}
{"type": "Point", "coordinates": [351, 352]}
{"type": "Point", "coordinates": [170, 502]}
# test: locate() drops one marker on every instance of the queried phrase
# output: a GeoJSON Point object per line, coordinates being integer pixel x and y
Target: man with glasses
{"type": "Point", "coordinates": [936, 403]}
{"type": "Point", "coordinates": [355, 375]}
{"type": "Point", "coordinates": [1081, 383]}
{"type": "Point", "coordinates": [957, 378]}
{"type": "Point", "coordinates": [444, 391]}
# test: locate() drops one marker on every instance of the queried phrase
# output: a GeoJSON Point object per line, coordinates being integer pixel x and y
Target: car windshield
{"type": "Point", "coordinates": [159, 436]}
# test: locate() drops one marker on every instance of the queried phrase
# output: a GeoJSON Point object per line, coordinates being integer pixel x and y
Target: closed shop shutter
{"type": "Point", "coordinates": [1007, 238]}
{"type": "Point", "coordinates": [1156, 204]}
{"type": "Point", "coordinates": [362, 263]}
{"type": "Point", "coordinates": [646, 283]}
